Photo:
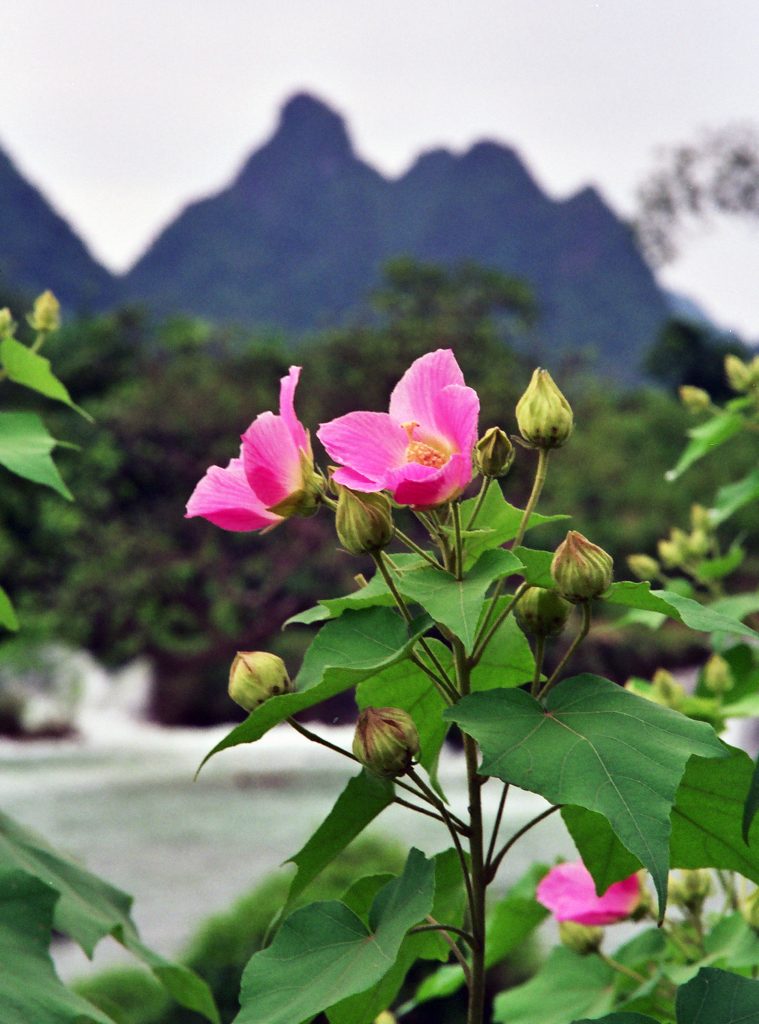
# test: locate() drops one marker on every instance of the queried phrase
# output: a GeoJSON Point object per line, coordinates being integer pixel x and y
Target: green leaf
{"type": "Point", "coordinates": [682, 609]}
{"type": "Point", "coordinates": [361, 801]}
{"type": "Point", "coordinates": [88, 909]}
{"type": "Point", "coordinates": [448, 908]}
{"type": "Point", "coordinates": [324, 952]}
{"type": "Point", "coordinates": [705, 438]}
{"type": "Point", "coordinates": [537, 567]}
{"type": "Point", "coordinates": [509, 924]}
{"type": "Point", "coordinates": [751, 805]}
{"type": "Point", "coordinates": [508, 659]}
{"type": "Point", "coordinates": [718, 568]}
{"type": "Point", "coordinates": [733, 941]}
{"type": "Point", "coordinates": [23, 366]}
{"type": "Point", "coordinates": [406, 686]}
{"type": "Point", "coordinates": [619, 1018]}
{"type": "Point", "coordinates": [706, 825]}
{"type": "Point", "coordinates": [566, 985]}
{"type": "Point", "coordinates": [734, 496]}
{"type": "Point", "coordinates": [597, 746]}
{"type": "Point", "coordinates": [457, 604]}
{"type": "Point", "coordinates": [357, 645]}
{"type": "Point", "coordinates": [497, 522]}
{"type": "Point", "coordinates": [30, 991]}
{"type": "Point", "coordinates": [8, 617]}
{"type": "Point", "coordinates": [25, 447]}
{"type": "Point", "coordinates": [717, 997]}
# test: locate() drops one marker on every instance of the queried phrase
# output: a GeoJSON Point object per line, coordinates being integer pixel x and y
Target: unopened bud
{"type": "Point", "coordinates": [580, 938]}
{"type": "Point", "coordinates": [738, 373]}
{"type": "Point", "coordinates": [749, 909]}
{"type": "Point", "coordinates": [7, 326]}
{"type": "Point", "coordinates": [675, 552]}
{"type": "Point", "coordinates": [581, 570]}
{"type": "Point", "coordinates": [718, 677]}
{"type": "Point", "coordinates": [364, 522]}
{"type": "Point", "coordinates": [542, 612]}
{"type": "Point", "coordinates": [494, 453]}
{"type": "Point", "coordinates": [386, 741]}
{"type": "Point", "coordinates": [255, 676]}
{"type": "Point", "coordinates": [694, 399]}
{"type": "Point", "coordinates": [46, 313]}
{"type": "Point", "coordinates": [385, 1017]}
{"type": "Point", "coordinates": [700, 518]}
{"type": "Point", "coordinates": [643, 566]}
{"type": "Point", "coordinates": [666, 690]}
{"type": "Point", "coordinates": [699, 543]}
{"type": "Point", "coordinates": [543, 413]}
{"type": "Point", "coordinates": [689, 889]}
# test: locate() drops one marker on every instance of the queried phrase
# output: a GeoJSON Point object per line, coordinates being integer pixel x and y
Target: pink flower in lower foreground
{"type": "Point", "coordinates": [569, 893]}
{"type": "Point", "coordinates": [421, 450]}
{"type": "Point", "coordinates": [272, 479]}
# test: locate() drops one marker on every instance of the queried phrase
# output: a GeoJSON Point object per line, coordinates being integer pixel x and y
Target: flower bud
{"type": "Point", "coordinates": [699, 543]}
{"type": "Point", "coordinates": [494, 453]}
{"type": "Point", "coordinates": [581, 570]}
{"type": "Point", "coordinates": [700, 518]}
{"type": "Point", "coordinates": [46, 313]}
{"type": "Point", "coordinates": [718, 677]}
{"type": "Point", "coordinates": [694, 399]}
{"type": "Point", "coordinates": [676, 551]}
{"type": "Point", "coordinates": [7, 326]}
{"type": "Point", "coordinates": [542, 612]}
{"type": "Point", "coordinates": [643, 566]}
{"type": "Point", "coordinates": [749, 909]}
{"type": "Point", "coordinates": [738, 373]}
{"type": "Point", "coordinates": [580, 938]}
{"type": "Point", "coordinates": [666, 690]}
{"type": "Point", "coordinates": [364, 522]}
{"type": "Point", "coordinates": [255, 676]}
{"type": "Point", "coordinates": [386, 741]}
{"type": "Point", "coordinates": [385, 1017]}
{"type": "Point", "coordinates": [689, 889]}
{"type": "Point", "coordinates": [543, 413]}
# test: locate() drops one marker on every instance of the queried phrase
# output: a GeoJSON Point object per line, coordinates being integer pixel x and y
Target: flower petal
{"type": "Point", "coordinates": [425, 486]}
{"type": "Point", "coordinates": [414, 396]}
{"type": "Point", "coordinates": [350, 478]}
{"type": "Point", "coordinates": [370, 443]}
{"type": "Point", "coordinates": [287, 386]}
{"type": "Point", "coordinates": [271, 459]}
{"type": "Point", "coordinates": [569, 893]}
{"type": "Point", "coordinates": [225, 498]}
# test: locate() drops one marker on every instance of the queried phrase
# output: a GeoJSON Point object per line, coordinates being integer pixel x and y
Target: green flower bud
{"type": "Point", "coordinates": [543, 413]}
{"type": "Point", "coordinates": [717, 676]}
{"type": "Point", "coordinates": [255, 676]}
{"type": "Point", "coordinates": [666, 690]}
{"type": "Point", "coordinates": [581, 570]}
{"type": "Point", "coordinates": [643, 566]}
{"type": "Point", "coordinates": [700, 518]}
{"type": "Point", "coordinates": [738, 373]}
{"type": "Point", "coordinates": [364, 522]}
{"type": "Point", "coordinates": [676, 551]}
{"type": "Point", "coordinates": [542, 612]}
{"type": "Point", "coordinates": [749, 909]}
{"type": "Point", "coordinates": [386, 741]}
{"type": "Point", "coordinates": [7, 326]}
{"type": "Point", "coordinates": [689, 889]}
{"type": "Point", "coordinates": [695, 400]}
{"type": "Point", "coordinates": [385, 1017]}
{"type": "Point", "coordinates": [699, 543]}
{"type": "Point", "coordinates": [580, 938]}
{"type": "Point", "coordinates": [494, 453]}
{"type": "Point", "coordinates": [46, 313]}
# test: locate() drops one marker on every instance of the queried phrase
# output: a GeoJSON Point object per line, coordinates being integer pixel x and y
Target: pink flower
{"type": "Point", "coordinates": [421, 451]}
{"type": "Point", "coordinates": [569, 893]}
{"type": "Point", "coordinates": [272, 479]}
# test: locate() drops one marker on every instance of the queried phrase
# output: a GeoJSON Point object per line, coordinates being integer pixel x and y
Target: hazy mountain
{"type": "Point", "coordinates": [299, 236]}
{"type": "Point", "coordinates": [38, 248]}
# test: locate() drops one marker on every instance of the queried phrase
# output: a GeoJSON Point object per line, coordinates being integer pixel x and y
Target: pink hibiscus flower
{"type": "Point", "coordinates": [569, 893]}
{"type": "Point", "coordinates": [272, 479]}
{"type": "Point", "coordinates": [421, 450]}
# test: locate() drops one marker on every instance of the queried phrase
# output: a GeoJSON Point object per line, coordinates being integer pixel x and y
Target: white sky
{"type": "Point", "coordinates": [122, 112]}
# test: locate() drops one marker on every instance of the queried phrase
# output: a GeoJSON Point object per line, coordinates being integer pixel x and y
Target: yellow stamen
{"type": "Point", "coordinates": [425, 455]}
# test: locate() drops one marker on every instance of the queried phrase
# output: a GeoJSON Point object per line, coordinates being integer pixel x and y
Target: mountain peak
{"type": "Point", "coordinates": [306, 121]}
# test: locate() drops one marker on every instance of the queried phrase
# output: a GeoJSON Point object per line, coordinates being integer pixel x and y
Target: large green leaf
{"type": "Point", "coordinates": [597, 746]}
{"type": "Point", "coordinates": [706, 825]}
{"type": "Point", "coordinates": [25, 447]}
{"type": "Point", "coordinates": [705, 438]}
{"type": "Point", "coordinates": [406, 686]}
{"type": "Point", "coordinates": [457, 604]}
{"type": "Point", "coordinates": [508, 659]}
{"type": "Point", "coordinates": [345, 651]}
{"type": "Point", "coordinates": [448, 908]}
{"type": "Point", "coordinates": [619, 1018]}
{"type": "Point", "coordinates": [8, 617]}
{"type": "Point", "coordinates": [88, 909]}
{"type": "Point", "coordinates": [718, 997]}
{"type": "Point", "coordinates": [30, 991]}
{"type": "Point", "coordinates": [751, 805]}
{"type": "Point", "coordinates": [23, 366]}
{"type": "Point", "coordinates": [361, 801]}
{"type": "Point", "coordinates": [537, 567]}
{"type": "Point", "coordinates": [683, 609]}
{"type": "Point", "coordinates": [324, 952]}
{"type": "Point", "coordinates": [497, 522]}
{"type": "Point", "coordinates": [566, 985]}
{"type": "Point", "coordinates": [734, 496]}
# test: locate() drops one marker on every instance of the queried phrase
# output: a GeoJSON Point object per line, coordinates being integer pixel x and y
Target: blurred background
{"type": "Point", "coordinates": [216, 192]}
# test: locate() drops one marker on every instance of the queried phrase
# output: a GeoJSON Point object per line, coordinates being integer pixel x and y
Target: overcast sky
{"type": "Point", "coordinates": [122, 112]}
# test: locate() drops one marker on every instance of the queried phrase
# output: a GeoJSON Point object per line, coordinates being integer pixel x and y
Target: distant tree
{"type": "Point", "coordinates": [690, 353]}
{"type": "Point", "coordinates": [716, 174]}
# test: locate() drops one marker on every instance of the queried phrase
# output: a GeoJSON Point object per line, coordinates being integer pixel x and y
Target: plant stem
{"type": "Point", "coordinates": [496, 862]}
{"type": "Point", "coordinates": [497, 824]}
{"type": "Point", "coordinates": [455, 949]}
{"type": "Point", "coordinates": [458, 561]}
{"type": "Point", "coordinates": [554, 677]}
{"type": "Point", "coordinates": [486, 482]}
{"type": "Point", "coordinates": [617, 966]}
{"type": "Point", "coordinates": [435, 926]}
{"type": "Point", "coordinates": [413, 546]}
{"type": "Point", "coordinates": [540, 648]}
{"type": "Point", "coordinates": [537, 487]}
{"type": "Point", "coordinates": [419, 810]}
{"type": "Point", "coordinates": [454, 836]}
{"type": "Point", "coordinates": [485, 637]}
{"type": "Point", "coordinates": [315, 738]}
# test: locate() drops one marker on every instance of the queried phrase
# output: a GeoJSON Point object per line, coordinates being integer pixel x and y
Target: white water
{"type": "Point", "coordinates": [121, 799]}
